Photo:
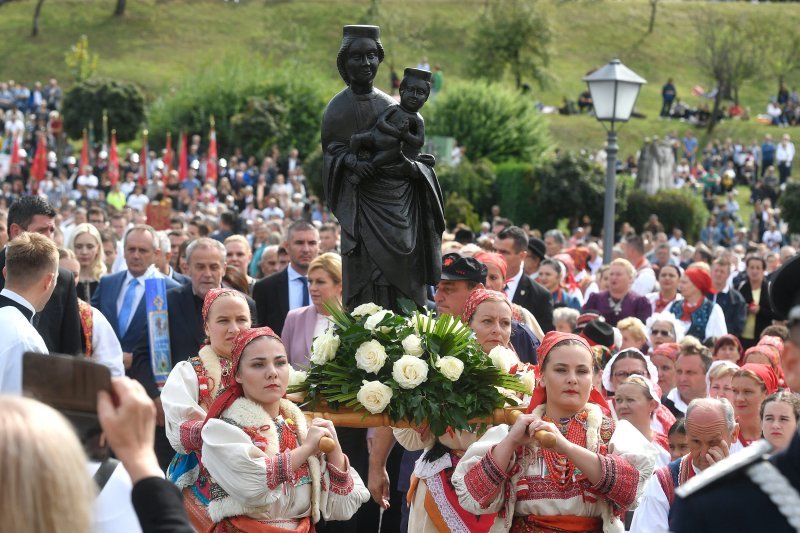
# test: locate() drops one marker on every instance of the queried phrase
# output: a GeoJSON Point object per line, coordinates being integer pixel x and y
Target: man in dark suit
{"type": "Point", "coordinates": [512, 244]}
{"type": "Point", "coordinates": [59, 323]}
{"type": "Point", "coordinates": [163, 260]}
{"type": "Point", "coordinates": [206, 258]}
{"type": "Point", "coordinates": [120, 296]}
{"type": "Point", "coordinates": [752, 491]}
{"type": "Point", "coordinates": [290, 164]}
{"type": "Point", "coordinates": [283, 291]}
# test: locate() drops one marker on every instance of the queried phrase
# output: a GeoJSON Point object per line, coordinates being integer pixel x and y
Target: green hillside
{"type": "Point", "coordinates": [158, 43]}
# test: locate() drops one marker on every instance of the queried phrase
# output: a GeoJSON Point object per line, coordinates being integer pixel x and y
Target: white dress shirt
{"type": "Point", "coordinates": [512, 284]}
{"type": "Point", "coordinates": [18, 336]}
{"type": "Point", "coordinates": [653, 512]}
{"type": "Point", "coordinates": [296, 288]}
{"type": "Point", "coordinates": [784, 153]}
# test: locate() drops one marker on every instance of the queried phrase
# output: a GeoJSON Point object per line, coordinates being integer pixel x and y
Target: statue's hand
{"type": "Point", "coordinates": [364, 170]}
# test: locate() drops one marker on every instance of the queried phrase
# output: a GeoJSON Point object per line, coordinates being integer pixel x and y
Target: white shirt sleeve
{"type": "Point", "coordinates": [652, 515]}
{"type": "Point", "coordinates": [105, 345]}
{"type": "Point", "coordinates": [180, 398]}
{"type": "Point", "coordinates": [645, 281]}
{"type": "Point", "coordinates": [716, 326]}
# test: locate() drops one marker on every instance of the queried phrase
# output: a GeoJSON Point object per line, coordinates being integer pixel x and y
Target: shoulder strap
{"type": "Point", "coordinates": [664, 477]}
{"type": "Point", "coordinates": [778, 489]}
{"type": "Point", "coordinates": [104, 473]}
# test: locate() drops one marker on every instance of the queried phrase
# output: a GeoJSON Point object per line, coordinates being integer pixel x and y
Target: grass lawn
{"type": "Point", "coordinates": [158, 43]}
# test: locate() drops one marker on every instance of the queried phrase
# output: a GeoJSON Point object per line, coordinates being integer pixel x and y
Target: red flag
{"type": "Point", "coordinates": [168, 158]}
{"type": "Point", "coordinates": [84, 152]}
{"type": "Point", "coordinates": [211, 164]}
{"type": "Point", "coordinates": [183, 162]}
{"type": "Point", "coordinates": [113, 160]}
{"type": "Point", "coordinates": [143, 177]}
{"type": "Point", "coordinates": [39, 166]}
{"type": "Point", "coordinates": [15, 151]}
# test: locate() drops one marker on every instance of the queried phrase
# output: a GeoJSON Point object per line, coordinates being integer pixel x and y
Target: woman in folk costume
{"type": "Point", "coordinates": [636, 401]}
{"type": "Point", "coordinates": [265, 469]}
{"type": "Point", "coordinates": [700, 317]}
{"type": "Point", "coordinates": [192, 387]}
{"type": "Point", "coordinates": [432, 500]}
{"type": "Point", "coordinates": [585, 483]}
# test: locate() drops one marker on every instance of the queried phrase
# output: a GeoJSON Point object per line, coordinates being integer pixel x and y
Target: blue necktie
{"type": "Point", "coordinates": [304, 281]}
{"type": "Point", "coordinates": [127, 307]}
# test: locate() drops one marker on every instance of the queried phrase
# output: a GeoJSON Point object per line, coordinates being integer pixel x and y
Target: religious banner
{"type": "Point", "coordinates": [155, 291]}
{"type": "Point", "coordinates": [159, 214]}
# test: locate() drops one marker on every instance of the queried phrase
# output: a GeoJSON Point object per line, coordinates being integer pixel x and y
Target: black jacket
{"type": "Point", "coordinates": [159, 507]}
{"type": "Point", "coordinates": [734, 503]}
{"type": "Point", "coordinates": [765, 314]}
{"type": "Point", "coordinates": [272, 300]}
{"type": "Point", "coordinates": [59, 323]}
{"type": "Point", "coordinates": [537, 300]}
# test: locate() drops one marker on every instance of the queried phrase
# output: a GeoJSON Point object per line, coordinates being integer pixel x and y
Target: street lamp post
{"type": "Point", "coordinates": [614, 90]}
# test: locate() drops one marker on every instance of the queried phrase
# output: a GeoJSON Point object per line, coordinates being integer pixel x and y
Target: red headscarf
{"type": "Point", "coordinates": [765, 374]}
{"type": "Point", "coordinates": [700, 279]}
{"type": "Point", "coordinates": [772, 353]}
{"type": "Point", "coordinates": [211, 297]}
{"type": "Point", "coordinates": [669, 350]}
{"type": "Point", "coordinates": [771, 340]}
{"type": "Point", "coordinates": [548, 343]}
{"type": "Point", "coordinates": [235, 391]}
{"type": "Point", "coordinates": [477, 297]}
{"type": "Point", "coordinates": [491, 258]}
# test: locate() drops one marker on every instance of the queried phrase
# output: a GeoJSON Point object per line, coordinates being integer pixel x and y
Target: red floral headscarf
{"type": "Point", "coordinates": [773, 354]}
{"type": "Point", "coordinates": [477, 297]}
{"type": "Point", "coordinates": [765, 374]}
{"type": "Point", "coordinates": [235, 391]}
{"type": "Point", "coordinates": [549, 341]}
{"type": "Point", "coordinates": [213, 294]}
{"type": "Point", "coordinates": [669, 350]}
{"type": "Point", "coordinates": [491, 258]}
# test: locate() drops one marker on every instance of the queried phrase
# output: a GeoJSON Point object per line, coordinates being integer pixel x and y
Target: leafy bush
{"type": "Point", "coordinates": [490, 121]}
{"type": "Point", "coordinates": [565, 187]}
{"type": "Point", "coordinates": [123, 101]}
{"type": "Point", "coordinates": [790, 206]}
{"type": "Point", "coordinates": [224, 90]}
{"type": "Point", "coordinates": [675, 209]}
{"type": "Point", "coordinates": [473, 182]}
{"type": "Point", "coordinates": [458, 210]}
{"type": "Point", "coordinates": [262, 115]}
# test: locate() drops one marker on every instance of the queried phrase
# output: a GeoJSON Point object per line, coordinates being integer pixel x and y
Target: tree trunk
{"type": "Point", "coordinates": [36, 13]}
{"type": "Point", "coordinates": [120, 9]}
{"type": "Point", "coordinates": [780, 83]}
{"type": "Point", "coordinates": [653, 8]}
{"type": "Point", "coordinates": [736, 95]}
{"type": "Point", "coordinates": [712, 121]}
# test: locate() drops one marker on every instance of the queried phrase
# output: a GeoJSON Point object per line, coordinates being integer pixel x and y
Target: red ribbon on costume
{"type": "Point", "coordinates": [235, 391]}
{"type": "Point", "coordinates": [765, 374]}
{"type": "Point", "coordinates": [550, 340]}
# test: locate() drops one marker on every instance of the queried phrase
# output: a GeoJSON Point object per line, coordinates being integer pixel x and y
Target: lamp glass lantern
{"type": "Point", "coordinates": [614, 89]}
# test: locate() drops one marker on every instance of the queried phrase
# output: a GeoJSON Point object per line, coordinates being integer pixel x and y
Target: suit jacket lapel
{"type": "Point", "coordinates": [284, 295]}
{"type": "Point", "coordinates": [111, 295]}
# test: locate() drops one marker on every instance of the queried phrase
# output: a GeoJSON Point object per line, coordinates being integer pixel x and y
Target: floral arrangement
{"type": "Point", "coordinates": [412, 366]}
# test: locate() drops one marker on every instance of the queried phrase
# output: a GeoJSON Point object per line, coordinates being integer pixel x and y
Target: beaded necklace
{"type": "Point", "coordinates": [559, 468]}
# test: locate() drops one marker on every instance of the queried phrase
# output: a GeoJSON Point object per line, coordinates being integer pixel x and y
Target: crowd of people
{"type": "Point", "coordinates": [651, 365]}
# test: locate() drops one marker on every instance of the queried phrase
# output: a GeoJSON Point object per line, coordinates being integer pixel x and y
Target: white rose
{"type": "Point", "coordinates": [502, 358]}
{"type": "Point", "coordinates": [450, 367]}
{"type": "Point", "coordinates": [366, 309]}
{"type": "Point", "coordinates": [370, 356]}
{"type": "Point", "coordinates": [410, 371]}
{"type": "Point", "coordinates": [374, 396]}
{"type": "Point", "coordinates": [324, 347]}
{"type": "Point", "coordinates": [413, 345]}
{"type": "Point", "coordinates": [529, 380]}
{"type": "Point", "coordinates": [422, 323]}
{"type": "Point", "coordinates": [376, 318]}
{"type": "Point", "coordinates": [296, 377]}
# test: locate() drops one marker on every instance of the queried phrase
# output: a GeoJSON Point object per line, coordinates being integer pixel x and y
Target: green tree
{"type": "Point", "coordinates": [511, 35]}
{"type": "Point", "coordinates": [783, 53]}
{"type": "Point", "coordinates": [81, 61]}
{"type": "Point", "coordinates": [790, 206]}
{"type": "Point", "coordinates": [86, 101]}
{"type": "Point", "coordinates": [731, 51]}
{"type": "Point", "coordinates": [490, 121]}
{"type": "Point", "coordinates": [260, 124]}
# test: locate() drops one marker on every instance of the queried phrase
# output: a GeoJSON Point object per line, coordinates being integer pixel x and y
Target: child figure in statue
{"type": "Point", "coordinates": [400, 128]}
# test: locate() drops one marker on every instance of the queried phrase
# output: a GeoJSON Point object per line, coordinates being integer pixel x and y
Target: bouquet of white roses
{"type": "Point", "coordinates": [412, 366]}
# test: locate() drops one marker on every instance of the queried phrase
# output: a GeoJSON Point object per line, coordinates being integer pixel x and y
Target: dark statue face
{"type": "Point", "coordinates": [362, 61]}
{"type": "Point", "coordinates": [414, 94]}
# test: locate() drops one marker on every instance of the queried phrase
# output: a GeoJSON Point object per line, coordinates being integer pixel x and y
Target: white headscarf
{"type": "Point", "coordinates": [651, 368]}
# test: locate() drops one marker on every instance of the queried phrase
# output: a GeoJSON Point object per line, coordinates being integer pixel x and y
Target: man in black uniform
{"type": "Point", "coordinates": [752, 491]}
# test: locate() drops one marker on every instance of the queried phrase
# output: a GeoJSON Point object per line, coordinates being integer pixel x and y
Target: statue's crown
{"type": "Point", "coordinates": [360, 30]}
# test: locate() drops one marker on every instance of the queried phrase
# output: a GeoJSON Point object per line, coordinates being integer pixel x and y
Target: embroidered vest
{"type": "Point", "coordinates": [699, 317]}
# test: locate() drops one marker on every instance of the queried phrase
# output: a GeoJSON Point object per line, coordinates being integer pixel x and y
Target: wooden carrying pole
{"type": "Point", "coordinates": [357, 419]}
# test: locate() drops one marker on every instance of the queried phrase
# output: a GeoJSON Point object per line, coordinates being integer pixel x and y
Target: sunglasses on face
{"type": "Point", "coordinates": [662, 332]}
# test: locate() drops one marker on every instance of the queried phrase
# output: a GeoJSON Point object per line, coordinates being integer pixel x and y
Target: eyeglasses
{"type": "Point", "coordinates": [662, 332]}
{"type": "Point", "coordinates": [621, 374]}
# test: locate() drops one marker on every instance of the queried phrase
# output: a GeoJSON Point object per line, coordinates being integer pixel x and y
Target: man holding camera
{"type": "Point", "coordinates": [31, 273]}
